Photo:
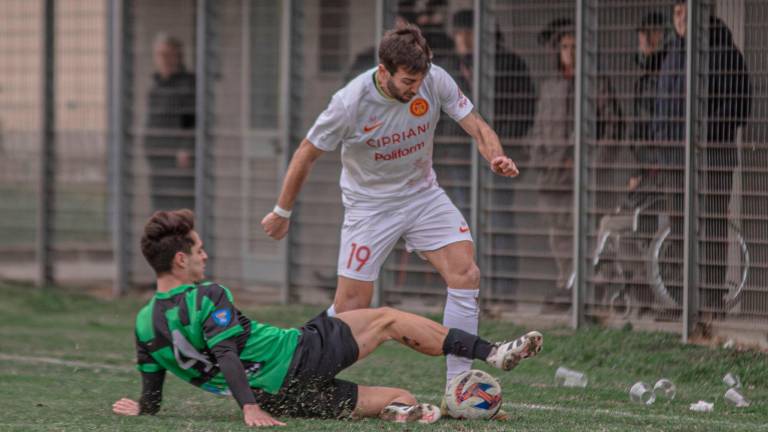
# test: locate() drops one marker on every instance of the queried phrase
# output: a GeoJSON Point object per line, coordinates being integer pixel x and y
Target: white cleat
{"type": "Point", "coordinates": [506, 355]}
{"type": "Point", "coordinates": [402, 413]}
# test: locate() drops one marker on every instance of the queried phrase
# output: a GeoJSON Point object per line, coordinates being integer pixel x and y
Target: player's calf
{"type": "Point", "coordinates": [503, 355]}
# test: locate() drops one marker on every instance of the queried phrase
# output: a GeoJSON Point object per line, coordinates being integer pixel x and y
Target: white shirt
{"type": "Point", "coordinates": [386, 145]}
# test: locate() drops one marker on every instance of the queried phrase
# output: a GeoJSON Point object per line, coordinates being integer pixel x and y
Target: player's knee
{"type": "Point", "coordinates": [465, 277]}
{"type": "Point", "coordinates": [387, 316]}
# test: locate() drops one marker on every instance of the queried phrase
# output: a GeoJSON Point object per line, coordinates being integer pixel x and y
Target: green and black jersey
{"type": "Point", "coordinates": [177, 331]}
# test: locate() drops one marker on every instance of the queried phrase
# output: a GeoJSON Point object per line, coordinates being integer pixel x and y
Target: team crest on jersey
{"type": "Point", "coordinates": [222, 317]}
{"type": "Point", "coordinates": [419, 107]}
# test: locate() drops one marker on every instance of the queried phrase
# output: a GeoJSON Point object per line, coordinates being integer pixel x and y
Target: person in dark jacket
{"type": "Point", "coordinates": [169, 141]}
{"type": "Point", "coordinates": [728, 106]}
{"type": "Point", "coordinates": [651, 52]}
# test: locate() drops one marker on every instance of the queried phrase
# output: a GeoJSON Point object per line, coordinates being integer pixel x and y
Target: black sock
{"type": "Point", "coordinates": [462, 344]}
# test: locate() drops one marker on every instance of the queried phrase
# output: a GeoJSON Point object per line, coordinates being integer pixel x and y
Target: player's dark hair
{"type": "Point", "coordinates": [405, 46]}
{"type": "Point", "coordinates": [165, 234]}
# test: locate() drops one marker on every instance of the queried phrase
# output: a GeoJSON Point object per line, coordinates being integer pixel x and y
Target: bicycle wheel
{"type": "Point", "coordinates": [666, 269]}
{"type": "Point", "coordinates": [738, 271]}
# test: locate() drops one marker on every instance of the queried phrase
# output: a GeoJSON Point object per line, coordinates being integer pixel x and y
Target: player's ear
{"type": "Point", "coordinates": [180, 259]}
{"type": "Point", "coordinates": [383, 70]}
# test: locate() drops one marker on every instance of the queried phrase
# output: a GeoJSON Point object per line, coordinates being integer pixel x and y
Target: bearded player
{"type": "Point", "coordinates": [385, 121]}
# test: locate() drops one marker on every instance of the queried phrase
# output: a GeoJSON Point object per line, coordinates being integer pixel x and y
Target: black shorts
{"type": "Point", "coordinates": [326, 347]}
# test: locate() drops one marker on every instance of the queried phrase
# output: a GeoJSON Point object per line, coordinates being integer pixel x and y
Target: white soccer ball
{"type": "Point", "coordinates": [473, 395]}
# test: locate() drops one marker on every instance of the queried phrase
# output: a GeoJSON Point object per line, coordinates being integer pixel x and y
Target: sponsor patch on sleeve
{"type": "Point", "coordinates": [222, 317]}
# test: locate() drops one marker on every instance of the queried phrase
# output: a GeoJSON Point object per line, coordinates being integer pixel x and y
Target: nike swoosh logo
{"type": "Point", "coordinates": [372, 127]}
{"type": "Point", "coordinates": [463, 229]}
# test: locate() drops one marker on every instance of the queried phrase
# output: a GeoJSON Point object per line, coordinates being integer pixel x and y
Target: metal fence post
{"type": "Point", "coordinates": [480, 106]}
{"type": "Point", "coordinates": [46, 192]}
{"type": "Point", "coordinates": [294, 34]}
{"type": "Point", "coordinates": [116, 135]}
{"type": "Point", "coordinates": [203, 154]}
{"type": "Point", "coordinates": [286, 84]}
{"type": "Point", "coordinates": [690, 240]}
{"type": "Point", "coordinates": [581, 95]}
{"type": "Point", "coordinates": [378, 284]}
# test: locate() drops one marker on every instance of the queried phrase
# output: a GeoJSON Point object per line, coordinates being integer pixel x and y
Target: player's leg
{"type": "Point", "coordinates": [367, 237]}
{"type": "Point", "coordinates": [442, 236]}
{"type": "Point", "coordinates": [372, 327]}
{"type": "Point", "coordinates": [393, 404]}
{"type": "Point", "coordinates": [371, 400]}
{"type": "Point", "coordinates": [456, 264]}
{"type": "Point", "coordinates": [351, 294]}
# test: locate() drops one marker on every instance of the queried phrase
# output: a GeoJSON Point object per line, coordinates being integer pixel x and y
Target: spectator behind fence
{"type": "Point", "coordinates": [651, 34]}
{"type": "Point", "coordinates": [169, 142]}
{"type": "Point", "coordinates": [728, 107]}
{"type": "Point", "coordinates": [514, 101]}
{"type": "Point", "coordinates": [552, 141]}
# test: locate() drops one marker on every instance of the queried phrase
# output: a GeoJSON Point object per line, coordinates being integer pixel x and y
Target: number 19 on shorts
{"type": "Point", "coordinates": [358, 256]}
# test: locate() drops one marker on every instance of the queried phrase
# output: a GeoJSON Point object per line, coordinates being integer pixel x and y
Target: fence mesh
{"type": "Point", "coordinates": [20, 121]}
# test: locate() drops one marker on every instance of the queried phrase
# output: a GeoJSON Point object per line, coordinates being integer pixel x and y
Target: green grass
{"type": "Point", "coordinates": [40, 395]}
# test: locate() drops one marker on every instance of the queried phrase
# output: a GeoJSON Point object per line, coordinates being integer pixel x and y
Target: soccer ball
{"type": "Point", "coordinates": [473, 395]}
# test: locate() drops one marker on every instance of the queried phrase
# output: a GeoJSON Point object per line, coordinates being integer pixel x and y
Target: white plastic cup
{"type": "Point", "coordinates": [665, 388]}
{"type": "Point", "coordinates": [565, 377]}
{"type": "Point", "coordinates": [735, 398]}
{"type": "Point", "coordinates": [732, 380]}
{"type": "Point", "coordinates": [641, 393]}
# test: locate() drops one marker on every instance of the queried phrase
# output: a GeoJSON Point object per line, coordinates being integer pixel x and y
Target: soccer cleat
{"type": "Point", "coordinates": [402, 413]}
{"type": "Point", "coordinates": [506, 355]}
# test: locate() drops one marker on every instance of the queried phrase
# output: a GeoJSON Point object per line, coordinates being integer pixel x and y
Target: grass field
{"type": "Point", "coordinates": [64, 358]}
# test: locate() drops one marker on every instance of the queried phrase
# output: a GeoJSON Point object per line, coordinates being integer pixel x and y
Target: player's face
{"type": "Point", "coordinates": [403, 85]}
{"type": "Point", "coordinates": [196, 259]}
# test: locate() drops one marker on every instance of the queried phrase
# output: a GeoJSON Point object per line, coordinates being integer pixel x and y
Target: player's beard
{"type": "Point", "coordinates": [404, 98]}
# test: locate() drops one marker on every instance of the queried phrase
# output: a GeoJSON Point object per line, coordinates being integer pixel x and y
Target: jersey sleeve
{"type": "Point", "coordinates": [219, 316]}
{"type": "Point", "coordinates": [144, 361]}
{"type": "Point", "coordinates": [452, 99]}
{"type": "Point", "coordinates": [331, 126]}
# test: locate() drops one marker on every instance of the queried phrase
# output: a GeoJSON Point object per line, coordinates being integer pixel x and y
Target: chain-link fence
{"type": "Point", "coordinates": [638, 127]}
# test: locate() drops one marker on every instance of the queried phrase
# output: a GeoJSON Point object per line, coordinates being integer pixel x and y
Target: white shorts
{"type": "Point", "coordinates": [427, 222]}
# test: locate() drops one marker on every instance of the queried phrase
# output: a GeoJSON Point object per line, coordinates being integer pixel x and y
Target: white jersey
{"type": "Point", "coordinates": [386, 145]}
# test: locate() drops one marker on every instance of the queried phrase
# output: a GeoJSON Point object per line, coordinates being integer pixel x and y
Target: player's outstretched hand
{"type": "Point", "coordinates": [275, 226]}
{"type": "Point", "coordinates": [125, 406]}
{"type": "Point", "coordinates": [255, 416]}
{"type": "Point", "coordinates": [504, 166]}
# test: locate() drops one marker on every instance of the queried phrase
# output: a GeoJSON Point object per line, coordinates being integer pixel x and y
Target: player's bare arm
{"type": "Point", "coordinates": [275, 225]}
{"type": "Point", "coordinates": [488, 144]}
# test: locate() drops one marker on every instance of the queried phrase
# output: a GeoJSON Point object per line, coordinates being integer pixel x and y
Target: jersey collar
{"type": "Point", "coordinates": [178, 290]}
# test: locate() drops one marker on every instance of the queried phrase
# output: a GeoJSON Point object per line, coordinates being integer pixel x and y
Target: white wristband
{"type": "Point", "coordinates": [282, 212]}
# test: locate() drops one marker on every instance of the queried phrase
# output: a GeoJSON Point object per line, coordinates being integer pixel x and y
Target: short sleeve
{"type": "Point", "coordinates": [331, 126]}
{"type": "Point", "coordinates": [218, 315]}
{"type": "Point", "coordinates": [452, 99]}
{"type": "Point", "coordinates": [144, 360]}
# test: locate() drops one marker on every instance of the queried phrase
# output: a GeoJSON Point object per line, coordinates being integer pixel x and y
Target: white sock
{"type": "Point", "coordinates": [331, 311]}
{"type": "Point", "coordinates": [461, 312]}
